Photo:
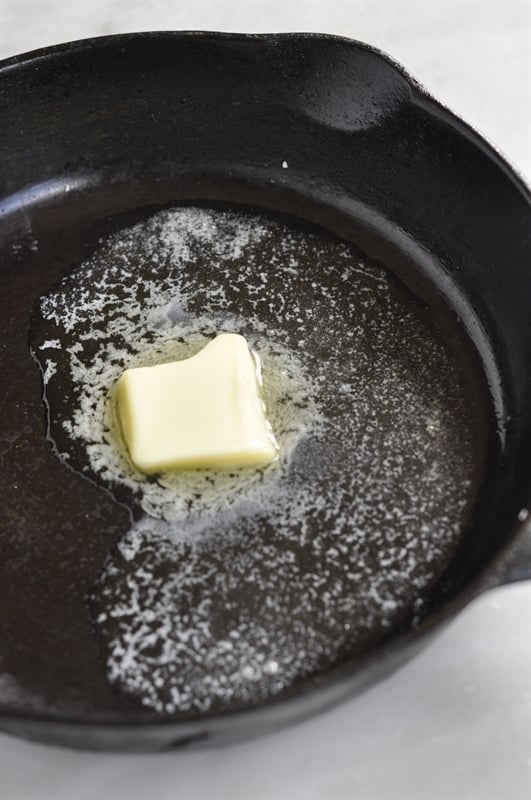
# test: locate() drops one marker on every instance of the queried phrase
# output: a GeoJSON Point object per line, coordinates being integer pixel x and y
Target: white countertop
{"type": "Point", "coordinates": [454, 724]}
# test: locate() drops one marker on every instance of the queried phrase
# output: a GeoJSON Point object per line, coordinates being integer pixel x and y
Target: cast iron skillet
{"type": "Point", "coordinates": [119, 124]}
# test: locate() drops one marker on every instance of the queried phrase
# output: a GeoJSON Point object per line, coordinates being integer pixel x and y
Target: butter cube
{"type": "Point", "coordinates": [202, 412]}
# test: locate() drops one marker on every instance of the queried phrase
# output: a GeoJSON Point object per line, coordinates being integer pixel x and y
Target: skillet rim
{"type": "Point", "coordinates": [481, 139]}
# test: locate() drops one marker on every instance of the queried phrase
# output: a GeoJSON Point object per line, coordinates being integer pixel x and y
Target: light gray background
{"type": "Point", "coordinates": [455, 724]}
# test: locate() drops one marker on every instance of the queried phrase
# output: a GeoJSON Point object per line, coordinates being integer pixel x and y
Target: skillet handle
{"type": "Point", "coordinates": [515, 562]}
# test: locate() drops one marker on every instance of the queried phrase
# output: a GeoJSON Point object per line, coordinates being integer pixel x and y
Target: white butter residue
{"type": "Point", "coordinates": [49, 371]}
{"type": "Point", "coordinates": [120, 320]}
{"type": "Point", "coordinates": [230, 587]}
{"type": "Point", "coordinates": [50, 344]}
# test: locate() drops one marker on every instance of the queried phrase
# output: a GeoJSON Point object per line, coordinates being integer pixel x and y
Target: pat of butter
{"type": "Point", "coordinates": [203, 412]}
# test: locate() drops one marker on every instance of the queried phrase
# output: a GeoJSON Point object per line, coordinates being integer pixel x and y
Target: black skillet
{"type": "Point", "coordinates": [118, 125]}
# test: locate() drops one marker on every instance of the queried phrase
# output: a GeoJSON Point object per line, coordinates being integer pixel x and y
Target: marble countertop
{"type": "Point", "coordinates": [455, 723]}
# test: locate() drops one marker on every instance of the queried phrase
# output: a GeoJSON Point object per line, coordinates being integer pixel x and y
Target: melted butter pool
{"type": "Point", "coordinates": [230, 587]}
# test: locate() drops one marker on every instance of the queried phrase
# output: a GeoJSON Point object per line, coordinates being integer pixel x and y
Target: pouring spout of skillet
{"type": "Point", "coordinates": [305, 191]}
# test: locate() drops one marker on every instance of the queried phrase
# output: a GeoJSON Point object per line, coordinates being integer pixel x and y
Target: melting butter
{"type": "Point", "coordinates": [203, 412]}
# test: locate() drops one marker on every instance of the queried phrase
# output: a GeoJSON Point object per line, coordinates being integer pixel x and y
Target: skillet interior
{"type": "Point", "coordinates": [91, 176]}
